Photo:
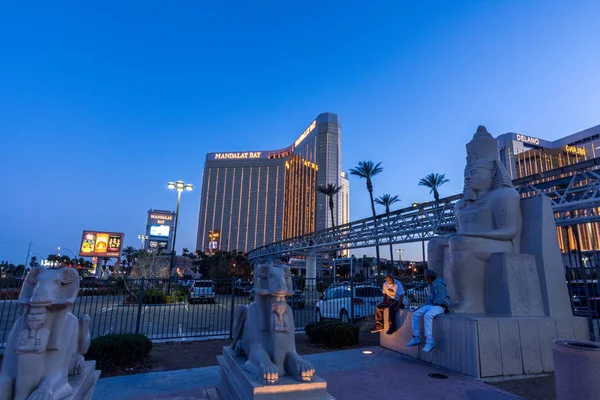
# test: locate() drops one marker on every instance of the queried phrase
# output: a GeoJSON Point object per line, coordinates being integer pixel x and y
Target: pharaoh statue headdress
{"type": "Point", "coordinates": [482, 150]}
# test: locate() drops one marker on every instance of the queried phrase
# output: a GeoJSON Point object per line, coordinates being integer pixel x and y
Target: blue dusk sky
{"type": "Point", "coordinates": [102, 103]}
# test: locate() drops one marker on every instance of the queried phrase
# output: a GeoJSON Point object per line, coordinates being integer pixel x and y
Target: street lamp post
{"type": "Point", "coordinates": [143, 238]}
{"type": "Point", "coordinates": [400, 257]}
{"type": "Point", "coordinates": [180, 186]}
{"type": "Point", "coordinates": [421, 216]}
{"type": "Point", "coordinates": [334, 271]}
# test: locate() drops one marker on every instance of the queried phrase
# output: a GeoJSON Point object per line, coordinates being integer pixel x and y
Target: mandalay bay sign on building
{"type": "Point", "coordinates": [253, 198]}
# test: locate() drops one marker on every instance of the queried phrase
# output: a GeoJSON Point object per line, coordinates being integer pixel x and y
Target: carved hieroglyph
{"type": "Point", "coordinates": [264, 330]}
{"type": "Point", "coordinates": [47, 343]}
{"type": "Point", "coordinates": [488, 220]}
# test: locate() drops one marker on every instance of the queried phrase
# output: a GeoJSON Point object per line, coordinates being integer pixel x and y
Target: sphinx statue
{"type": "Point", "coordinates": [264, 330]}
{"type": "Point", "coordinates": [488, 220]}
{"type": "Point", "coordinates": [47, 343]}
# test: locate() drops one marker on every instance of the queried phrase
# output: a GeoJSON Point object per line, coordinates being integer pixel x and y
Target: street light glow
{"type": "Point", "coordinates": [180, 186]}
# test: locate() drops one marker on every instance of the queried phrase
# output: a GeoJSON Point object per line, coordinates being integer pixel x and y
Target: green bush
{"type": "Point", "coordinates": [155, 296]}
{"type": "Point", "coordinates": [177, 296]}
{"type": "Point", "coordinates": [119, 350]}
{"type": "Point", "coordinates": [332, 334]}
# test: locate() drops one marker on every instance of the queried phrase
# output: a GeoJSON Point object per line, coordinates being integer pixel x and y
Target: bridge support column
{"type": "Point", "coordinates": [311, 272]}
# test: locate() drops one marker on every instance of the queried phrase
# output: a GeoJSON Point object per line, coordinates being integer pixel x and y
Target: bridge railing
{"type": "Point", "coordinates": [410, 224]}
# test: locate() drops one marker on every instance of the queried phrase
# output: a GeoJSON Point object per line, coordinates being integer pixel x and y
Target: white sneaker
{"type": "Point", "coordinates": [414, 342]}
{"type": "Point", "coordinates": [428, 347]}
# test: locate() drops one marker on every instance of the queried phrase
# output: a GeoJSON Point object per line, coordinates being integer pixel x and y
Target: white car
{"type": "Point", "coordinates": [202, 290]}
{"type": "Point", "coordinates": [336, 302]}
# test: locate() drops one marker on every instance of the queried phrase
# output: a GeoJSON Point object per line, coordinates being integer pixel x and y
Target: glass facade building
{"type": "Point", "coordinates": [525, 156]}
{"type": "Point", "coordinates": [250, 199]}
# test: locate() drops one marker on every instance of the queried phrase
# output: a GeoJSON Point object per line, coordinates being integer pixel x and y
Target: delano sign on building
{"type": "Point", "coordinates": [253, 198]}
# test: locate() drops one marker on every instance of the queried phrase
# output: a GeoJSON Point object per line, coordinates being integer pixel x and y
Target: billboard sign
{"type": "Point", "coordinates": [158, 244]}
{"type": "Point", "coordinates": [160, 230]}
{"type": "Point", "coordinates": [101, 244]}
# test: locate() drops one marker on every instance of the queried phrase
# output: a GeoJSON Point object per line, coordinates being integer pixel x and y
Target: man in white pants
{"type": "Point", "coordinates": [437, 303]}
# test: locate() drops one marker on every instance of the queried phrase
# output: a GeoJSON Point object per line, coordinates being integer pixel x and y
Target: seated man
{"type": "Point", "coordinates": [393, 298]}
{"type": "Point", "coordinates": [437, 302]}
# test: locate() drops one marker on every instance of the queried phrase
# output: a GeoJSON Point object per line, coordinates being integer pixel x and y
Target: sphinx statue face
{"type": "Point", "coordinates": [36, 318]}
{"type": "Point", "coordinates": [478, 180]}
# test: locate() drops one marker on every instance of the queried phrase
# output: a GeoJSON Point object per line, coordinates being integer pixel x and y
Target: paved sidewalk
{"type": "Point", "coordinates": [350, 374]}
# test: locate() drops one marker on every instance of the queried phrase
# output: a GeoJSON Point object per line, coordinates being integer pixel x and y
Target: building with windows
{"type": "Point", "coordinates": [527, 158]}
{"type": "Point", "coordinates": [252, 198]}
{"type": "Point", "coordinates": [524, 155]}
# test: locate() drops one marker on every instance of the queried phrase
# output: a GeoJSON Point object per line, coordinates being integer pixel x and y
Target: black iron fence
{"type": "Point", "coordinates": [584, 294]}
{"type": "Point", "coordinates": [204, 308]}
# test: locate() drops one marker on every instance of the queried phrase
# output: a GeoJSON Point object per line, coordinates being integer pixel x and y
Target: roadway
{"type": "Point", "coordinates": [162, 321]}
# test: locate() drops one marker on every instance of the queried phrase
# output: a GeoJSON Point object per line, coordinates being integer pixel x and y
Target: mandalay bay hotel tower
{"type": "Point", "coordinates": [253, 198]}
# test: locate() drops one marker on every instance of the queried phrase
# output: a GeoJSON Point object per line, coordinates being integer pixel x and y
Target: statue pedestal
{"type": "Point", "coordinates": [485, 346]}
{"type": "Point", "coordinates": [237, 384]}
{"type": "Point", "coordinates": [83, 384]}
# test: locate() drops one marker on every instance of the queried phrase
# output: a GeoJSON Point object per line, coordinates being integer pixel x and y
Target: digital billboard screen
{"type": "Point", "coordinates": [158, 244]}
{"type": "Point", "coordinates": [160, 230]}
{"type": "Point", "coordinates": [101, 244]}
{"type": "Point", "coordinates": [213, 243]}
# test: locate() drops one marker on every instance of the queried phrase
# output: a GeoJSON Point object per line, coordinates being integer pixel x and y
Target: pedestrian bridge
{"type": "Point", "coordinates": [574, 191]}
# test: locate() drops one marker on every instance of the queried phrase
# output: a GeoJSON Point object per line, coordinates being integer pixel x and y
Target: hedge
{"type": "Point", "coordinates": [332, 334]}
{"type": "Point", "coordinates": [119, 350]}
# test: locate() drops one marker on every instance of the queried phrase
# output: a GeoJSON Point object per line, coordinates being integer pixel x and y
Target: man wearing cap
{"type": "Point", "coordinates": [393, 298]}
{"type": "Point", "coordinates": [437, 303]}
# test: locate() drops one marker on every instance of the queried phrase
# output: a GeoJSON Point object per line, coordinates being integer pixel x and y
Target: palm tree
{"type": "Point", "coordinates": [131, 254]}
{"type": "Point", "coordinates": [329, 190]}
{"type": "Point", "coordinates": [387, 200]}
{"type": "Point", "coordinates": [367, 170]}
{"type": "Point", "coordinates": [433, 182]}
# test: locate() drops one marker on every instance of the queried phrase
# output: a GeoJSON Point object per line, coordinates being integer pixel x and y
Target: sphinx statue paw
{"type": "Point", "coordinates": [269, 373]}
{"type": "Point", "coordinates": [77, 365]}
{"type": "Point", "coordinates": [306, 372]}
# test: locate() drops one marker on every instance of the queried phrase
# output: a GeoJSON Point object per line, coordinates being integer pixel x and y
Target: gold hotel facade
{"type": "Point", "coordinates": [525, 156]}
{"type": "Point", "coordinates": [253, 198]}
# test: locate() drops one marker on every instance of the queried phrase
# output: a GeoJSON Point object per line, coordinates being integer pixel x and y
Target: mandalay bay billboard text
{"type": "Point", "coordinates": [101, 244]}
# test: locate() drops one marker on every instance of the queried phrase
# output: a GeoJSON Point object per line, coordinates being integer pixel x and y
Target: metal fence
{"type": "Point", "coordinates": [584, 293]}
{"type": "Point", "coordinates": [150, 307]}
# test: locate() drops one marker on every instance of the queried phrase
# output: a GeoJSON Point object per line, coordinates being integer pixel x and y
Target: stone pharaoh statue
{"type": "Point", "coordinates": [488, 220]}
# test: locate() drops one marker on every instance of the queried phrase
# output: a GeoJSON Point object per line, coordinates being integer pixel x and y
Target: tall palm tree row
{"type": "Point", "coordinates": [367, 170]}
{"type": "Point", "coordinates": [433, 181]}
{"type": "Point", "coordinates": [329, 190]}
{"type": "Point", "coordinates": [387, 200]}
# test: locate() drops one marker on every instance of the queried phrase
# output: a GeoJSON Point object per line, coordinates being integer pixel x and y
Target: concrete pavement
{"type": "Point", "coordinates": [350, 374]}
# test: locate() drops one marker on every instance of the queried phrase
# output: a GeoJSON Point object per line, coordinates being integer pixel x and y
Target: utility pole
{"type": "Point", "coordinates": [27, 259]}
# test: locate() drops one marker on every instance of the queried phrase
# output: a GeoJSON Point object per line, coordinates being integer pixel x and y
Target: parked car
{"type": "Point", "coordinates": [337, 302]}
{"type": "Point", "coordinates": [203, 290]}
{"type": "Point", "coordinates": [242, 287]}
{"type": "Point", "coordinates": [579, 297]}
